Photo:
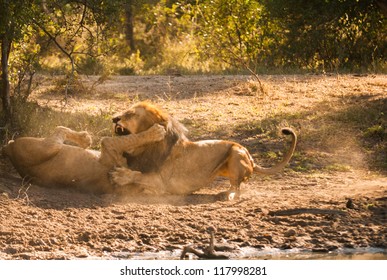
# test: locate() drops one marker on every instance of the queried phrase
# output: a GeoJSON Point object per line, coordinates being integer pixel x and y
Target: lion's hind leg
{"type": "Point", "coordinates": [122, 176]}
{"type": "Point", "coordinates": [238, 169]}
{"type": "Point", "coordinates": [30, 151]}
{"type": "Point", "coordinates": [63, 134]}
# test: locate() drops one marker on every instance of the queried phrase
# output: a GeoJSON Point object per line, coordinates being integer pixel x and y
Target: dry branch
{"type": "Point", "coordinates": [315, 211]}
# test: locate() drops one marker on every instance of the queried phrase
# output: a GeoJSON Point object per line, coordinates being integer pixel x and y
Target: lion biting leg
{"type": "Point", "coordinates": [112, 148]}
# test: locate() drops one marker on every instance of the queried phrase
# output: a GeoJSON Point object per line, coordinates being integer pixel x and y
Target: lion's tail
{"type": "Point", "coordinates": [277, 168]}
{"type": "Point", "coordinates": [5, 150]}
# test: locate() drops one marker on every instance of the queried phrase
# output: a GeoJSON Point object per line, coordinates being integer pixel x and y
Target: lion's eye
{"type": "Point", "coordinates": [129, 115]}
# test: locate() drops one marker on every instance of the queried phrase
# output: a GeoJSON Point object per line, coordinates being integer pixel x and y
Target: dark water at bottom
{"type": "Point", "coordinates": [270, 254]}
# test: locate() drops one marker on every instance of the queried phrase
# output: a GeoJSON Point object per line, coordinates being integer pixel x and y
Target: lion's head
{"type": "Point", "coordinates": [140, 117]}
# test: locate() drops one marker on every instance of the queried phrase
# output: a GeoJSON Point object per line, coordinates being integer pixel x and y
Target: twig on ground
{"type": "Point", "coordinates": [208, 251]}
{"type": "Point", "coordinates": [23, 192]}
{"type": "Point", "coordinates": [290, 212]}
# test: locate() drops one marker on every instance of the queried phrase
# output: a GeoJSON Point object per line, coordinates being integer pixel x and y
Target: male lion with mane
{"type": "Point", "coordinates": [180, 166]}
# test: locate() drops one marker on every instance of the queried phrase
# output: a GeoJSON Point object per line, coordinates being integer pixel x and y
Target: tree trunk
{"type": "Point", "coordinates": [129, 34]}
{"type": "Point", "coordinates": [5, 86]}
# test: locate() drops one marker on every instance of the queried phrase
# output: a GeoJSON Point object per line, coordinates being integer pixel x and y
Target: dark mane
{"type": "Point", "coordinates": [154, 155]}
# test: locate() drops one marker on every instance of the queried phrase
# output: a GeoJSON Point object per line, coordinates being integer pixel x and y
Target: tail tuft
{"type": "Point", "coordinates": [288, 155]}
{"type": "Point", "coordinates": [287, 131]}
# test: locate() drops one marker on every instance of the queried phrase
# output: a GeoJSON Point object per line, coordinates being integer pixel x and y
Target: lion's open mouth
{"type": "Point", "coordinates": [120, 130]}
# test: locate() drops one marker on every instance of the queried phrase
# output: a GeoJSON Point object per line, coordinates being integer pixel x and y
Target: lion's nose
{"type": "Point", "coordinates": [116, 119]}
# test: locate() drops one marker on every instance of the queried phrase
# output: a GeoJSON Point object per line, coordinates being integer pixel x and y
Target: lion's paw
{"type": "Point", "coordinates": [157, 132]}
{"type": "Point", "coordinates": [229, 195]}
{"type": "Point", "coordinates": [122, 176]}
{"type": "Point", "coordinates": [85, 139]}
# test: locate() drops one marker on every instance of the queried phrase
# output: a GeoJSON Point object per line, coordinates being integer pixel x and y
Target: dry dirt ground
{"type": "Point", "coordinates": [329, 198]}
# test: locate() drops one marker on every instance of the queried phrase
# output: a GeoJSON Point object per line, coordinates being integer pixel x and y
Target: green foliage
{"type": "Point", "coordinates": [327, 35]}
{"type": "Point", "coordinates": [312, 35]}
{"type": "Point", "coordinates": [165, 37]}
{"type": "Point", "coordinates": [376, 131]}
{"type": "Point", "coordinates": [24, 62]}
{"type": "Point", "coordinates": [198, 36]}
{"type": "Point", "coordinates": [231, 31]}
{"type": "Point", "coordinates": [89, 65]}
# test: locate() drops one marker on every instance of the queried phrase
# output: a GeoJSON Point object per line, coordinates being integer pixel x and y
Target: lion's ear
{"type": "Point", "coordinates": [164, 123]}
{"type": "Point", "coordinates": [162, 118]}
{"type": "Point", "coordinates": [156, 114]}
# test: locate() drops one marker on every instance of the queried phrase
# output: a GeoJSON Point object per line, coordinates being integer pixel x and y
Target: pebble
{"type": "Point", "coordinates": [320, 250]}
{"type": "Point", "coordinates": [10, 250]}
{"type": "Point", "coordinates": [290, 232]}
{"type": "Point", "coordinates": [107, 249]}
{"type": "Point", "coordinates": [82, 254]}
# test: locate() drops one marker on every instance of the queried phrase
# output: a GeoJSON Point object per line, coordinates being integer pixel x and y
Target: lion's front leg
{"type": "Point", "coordinates": [113, 148]}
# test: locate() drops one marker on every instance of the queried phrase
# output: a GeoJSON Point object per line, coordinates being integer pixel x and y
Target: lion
{"type": "Point", "coordinates": [63, 160]}
{"type": "Point", "coordinates": [180, 166]}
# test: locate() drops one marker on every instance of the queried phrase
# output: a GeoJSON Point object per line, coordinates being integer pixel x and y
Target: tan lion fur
{"type": "Point", "coordinates": [180, 166]}
{"type": "Point", "coordinates": [49, 162]}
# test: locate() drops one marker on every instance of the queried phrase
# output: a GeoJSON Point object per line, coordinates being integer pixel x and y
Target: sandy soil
{"type": "Point", "coordinates": [320, 209]}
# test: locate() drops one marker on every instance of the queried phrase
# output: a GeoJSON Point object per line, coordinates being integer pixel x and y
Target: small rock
{"type": "Point", "coordinates": [54, 241]}
{"type": "Point", "coordinates": [171, 247]}
{"type": "Point", "coordinates": [246, 244]}
{"type": "Point", "coordinates": [286, 247]}
{"type": "Point", "coordinates": [320, 250]}
{"type": "Point", "coordinates": [349, 245]}
{"type": "Point", "coordinates": [82, 254]}
{"type": "Point", "coordinates": [329, 229]}
{"type": "Point", "coordinates": [259, 246]}
{"type": "Point", "coordinates": [121, 236]}
{"type": "Point", "coordinates": [107, 249]}
{"type": "Point", "coordinates": [265, 212]}
{"type": "Point", "coordinates": [350, 204]}
{"type": "Point", "coordinates": [24, 256]}
{"type": "Point", "coordinates": [10, 250]}
{"type": "Point", "coordinates": [332, 248]}
{"type": "Point", "coordinates": [290, 232]}
{"type": "Point", "coordinates": [84, 236]}
{"type": "Point", "coordinates": [237, 239]}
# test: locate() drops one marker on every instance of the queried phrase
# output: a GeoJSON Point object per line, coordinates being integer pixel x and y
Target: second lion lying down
{"type": "Point", "coordinates": [180, 166]}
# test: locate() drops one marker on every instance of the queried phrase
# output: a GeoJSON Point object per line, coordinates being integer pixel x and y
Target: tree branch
{"type": "Point", "coordinates": [68, 54]}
